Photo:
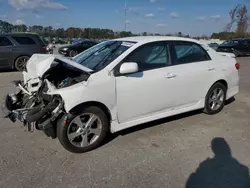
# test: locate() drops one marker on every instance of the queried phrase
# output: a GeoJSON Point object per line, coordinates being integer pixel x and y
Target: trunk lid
{"type": "Point", "coordinates": [227, 54]}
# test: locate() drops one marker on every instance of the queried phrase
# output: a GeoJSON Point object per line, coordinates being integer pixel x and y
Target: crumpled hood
{"type": "Point", "coordinates": [38, 64]}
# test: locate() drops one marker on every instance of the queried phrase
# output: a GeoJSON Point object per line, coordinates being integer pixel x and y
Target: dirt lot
{"type": "Point", "coordinates": [159, 154]}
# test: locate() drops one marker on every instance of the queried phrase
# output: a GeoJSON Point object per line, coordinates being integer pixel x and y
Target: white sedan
{"type": "Point", "coordinates": [118, 84]}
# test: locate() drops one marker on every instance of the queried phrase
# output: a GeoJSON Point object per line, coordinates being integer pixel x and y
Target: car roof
{"type": "Point", "coordinates": [146, 39]}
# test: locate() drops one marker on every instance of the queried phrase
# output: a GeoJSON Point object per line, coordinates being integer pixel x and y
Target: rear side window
{"type": "Point", "coordinates": [246, 42]}
{"type": "Point", "coordinates": [187, 52]}
{"type": "Point", "coordinates": [24, 40]}
{"type": "Point", "coordinates": [5, 42]}
{"type": "Point", "coordinates": [41, 40]}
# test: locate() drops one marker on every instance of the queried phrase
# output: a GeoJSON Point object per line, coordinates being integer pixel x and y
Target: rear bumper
{"type": "Point", "coordinates": [232, 92]}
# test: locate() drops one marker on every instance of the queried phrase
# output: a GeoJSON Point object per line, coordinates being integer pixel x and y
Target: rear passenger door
{"type": "Point", "coordinates": [5, 52]}
{"type": "Point", "coordinates": [25, 45]}
{"type": "Point", "coordinates": [192, 70]}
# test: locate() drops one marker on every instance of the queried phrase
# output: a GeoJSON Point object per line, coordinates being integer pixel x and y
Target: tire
{"type": "Point", "coordinates": [215, 103]}
{"type": "Point", "coordinates": [20, 63]}
{"type": "Point", "coordinates": [236, 53]}
{"type": "Point", "coordinates": [78, 142]}
{"type": "Point", "coordinates": [72, 53]}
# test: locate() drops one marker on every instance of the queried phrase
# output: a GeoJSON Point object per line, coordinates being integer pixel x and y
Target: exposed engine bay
{"type": "Point", "coordinates": [33, 106]}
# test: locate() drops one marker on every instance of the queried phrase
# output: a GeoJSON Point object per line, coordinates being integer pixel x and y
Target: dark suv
{"type": "Point", "coordinates": [237, 46]}
{"type": "Point", "coordinates": [17, 48]}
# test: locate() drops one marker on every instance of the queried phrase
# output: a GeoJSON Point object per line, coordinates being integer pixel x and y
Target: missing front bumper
{"type": "Point", "coordinates": [9, 109]}
{"type": "Point", "coordinates": [42, 117]}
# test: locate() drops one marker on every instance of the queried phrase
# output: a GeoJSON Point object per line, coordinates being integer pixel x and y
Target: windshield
{"type": "Point", "coordinates": [100, 55]}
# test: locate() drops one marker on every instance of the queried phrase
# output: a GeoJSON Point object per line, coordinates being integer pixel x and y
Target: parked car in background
{"type": "Point", "coordinates": [17, 48]}
{"type": "Point", "coordinates": [237, 46]}
{"type": "Point", "coordinates": [76, 48]}
{"type": "Point", "coordinates": [118, 84]}
{"type": "Point", "coordinates": [213, 45]}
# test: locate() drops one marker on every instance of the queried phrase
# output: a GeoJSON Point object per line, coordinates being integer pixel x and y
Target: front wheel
{"type": "Point", "coordinates": [215, 99]}
{"type": "Point", "coordinates": [83, 132]}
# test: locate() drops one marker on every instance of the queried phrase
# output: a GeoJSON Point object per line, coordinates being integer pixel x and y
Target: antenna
{"type": "Point", "coordinates": [125, 13]}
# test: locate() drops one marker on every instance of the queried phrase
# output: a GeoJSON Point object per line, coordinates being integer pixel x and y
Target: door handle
{"type": "Point", "coordinates": [211, 69]}
{"type": "Point", "coordinates": [170, 76]}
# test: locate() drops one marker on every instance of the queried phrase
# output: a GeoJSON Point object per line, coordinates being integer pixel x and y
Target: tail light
{"type": "Point", "coordinates": [43, 48]}
{"type": "Point", "coordinates": [237, 66]}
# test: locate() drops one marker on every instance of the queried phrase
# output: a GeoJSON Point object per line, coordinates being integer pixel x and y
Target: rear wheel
{"type": "Point", "coordinates": [20, 63]}
{"type": "Point", "coordinates": [236, 53]}
{"type": "Point", "coordinates": [215, 99]}
{"type": "Point", "coordinates": [85, 131]}
{"type": "Point", "coordinates": [73, 53]}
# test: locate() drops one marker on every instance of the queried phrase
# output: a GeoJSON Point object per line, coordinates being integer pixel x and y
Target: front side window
{"type": "Point", "coordinates": [150, 56]}
{"type": "Point", "coordinates": [100, 55]}
{"type": "Point", "coordinates": [5, 42]}
{"type": "Point", "coordinates": [24, 40]}
{"type": "Point", "coordinates": [187, 52]}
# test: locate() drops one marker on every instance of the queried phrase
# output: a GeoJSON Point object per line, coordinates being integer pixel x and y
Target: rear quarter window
{"type": "Point", "coordinates": [41, 40]}
{"type": "Point", "coordinates": [24, 40]}
{"type": "Point", "coordinates": [187, 52]}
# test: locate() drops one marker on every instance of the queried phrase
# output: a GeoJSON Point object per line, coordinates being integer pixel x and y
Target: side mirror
{"type": "Point", "coordinates": [129, 67]}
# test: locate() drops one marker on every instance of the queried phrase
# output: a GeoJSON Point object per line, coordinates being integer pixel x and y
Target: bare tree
{"type": "Point", "coordinates": [242, 17]}
{"type": "Point", "coordinates": [233, 18]}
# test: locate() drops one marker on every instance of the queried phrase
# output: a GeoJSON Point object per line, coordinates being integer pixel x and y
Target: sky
{"type": "Point", "coordinates": [193, 17]}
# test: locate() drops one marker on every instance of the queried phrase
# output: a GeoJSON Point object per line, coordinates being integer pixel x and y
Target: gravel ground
{"type": "Point", "coordinates": [159, 154]}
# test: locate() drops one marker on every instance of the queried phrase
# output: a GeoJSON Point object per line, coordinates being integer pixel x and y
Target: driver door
{"type": "Point", "coordinates": [146, 92]}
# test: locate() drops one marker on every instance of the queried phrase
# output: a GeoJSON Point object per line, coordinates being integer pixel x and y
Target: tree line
{"type": "Point", "coordinates": [74, 32]}
{"type": "Point", "coordinates": [71, 32]}
{"type": "Point", "coordinates": [239, 18]}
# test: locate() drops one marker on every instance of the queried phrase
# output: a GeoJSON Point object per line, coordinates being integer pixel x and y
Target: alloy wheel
{"type": "Point", "coordinates": [216, 99]}
{"type": "Point", "coordinates": [73, 53]}
{"type": "Point", "coordinates": [21, 62]}
{"type": "Point", "coordinates": [84, 130]}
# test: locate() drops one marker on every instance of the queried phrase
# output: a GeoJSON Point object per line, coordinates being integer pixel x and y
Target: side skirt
{"type": "Point", "coordinates": [115, 126]}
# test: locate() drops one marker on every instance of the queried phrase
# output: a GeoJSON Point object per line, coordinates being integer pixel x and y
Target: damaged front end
{"type": "Point", "coordinates": [36, 111]}
{"type": "Point", "coordinates": [32, 105]}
